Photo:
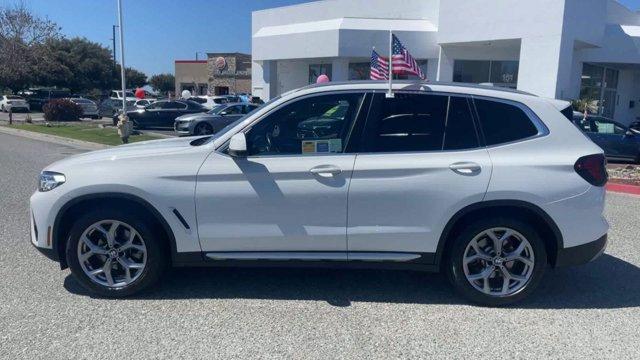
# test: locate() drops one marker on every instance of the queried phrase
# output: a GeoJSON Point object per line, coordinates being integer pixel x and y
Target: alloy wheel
{"type": "Point", "coordinates": [498, 262]}
{"type": "Point", "coordinates": [112, 253]}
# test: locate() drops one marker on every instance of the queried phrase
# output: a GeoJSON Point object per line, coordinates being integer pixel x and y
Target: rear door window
{"type": "Point", "coordinates": [412, 122]}
{"type": "Point", "coordinates": [503, 122]}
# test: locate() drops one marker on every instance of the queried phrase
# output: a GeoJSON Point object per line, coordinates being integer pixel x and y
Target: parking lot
{"type": "Point", "coordinates": [590, 311]}
{"type": "Point", "coordinates": [38, 117]}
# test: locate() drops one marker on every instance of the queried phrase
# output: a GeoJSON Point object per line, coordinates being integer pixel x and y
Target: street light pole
{"type": "Point", "coordinates": [122, 67]}
{"type": "Point", "coordinates": [114, 47]}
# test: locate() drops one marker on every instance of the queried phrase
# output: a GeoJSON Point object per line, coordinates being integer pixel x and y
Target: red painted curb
{"type": "Point", "coordinates": [623, 188]}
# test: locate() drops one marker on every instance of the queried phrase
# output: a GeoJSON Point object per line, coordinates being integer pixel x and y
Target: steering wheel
{"type": "Point", "coordinates": [268, 142]}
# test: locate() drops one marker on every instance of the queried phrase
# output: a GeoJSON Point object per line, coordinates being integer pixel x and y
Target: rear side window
{"type": "Point", "coordinates": [419, 122]}
{"type": "Point", "coordinates": [502, 123]}
{"type": "Point", "coordinates": [460, 132]}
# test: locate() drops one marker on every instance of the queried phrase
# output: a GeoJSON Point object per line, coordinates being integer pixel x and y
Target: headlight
{"type": "Point", "coordinates": [50, 180]}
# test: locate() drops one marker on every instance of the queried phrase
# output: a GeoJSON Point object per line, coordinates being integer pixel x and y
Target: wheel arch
{"type": "Point", "coordinates": [529, 212]}
{"type": "Point", "coordinates": [62, 223]}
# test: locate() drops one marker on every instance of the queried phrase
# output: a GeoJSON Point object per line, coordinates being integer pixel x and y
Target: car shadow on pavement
{"type": "Point", "coordinates": [608, 282]}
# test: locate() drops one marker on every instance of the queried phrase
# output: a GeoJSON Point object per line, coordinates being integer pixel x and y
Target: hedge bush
{"type": "Point", "coordinates": [61, 110]}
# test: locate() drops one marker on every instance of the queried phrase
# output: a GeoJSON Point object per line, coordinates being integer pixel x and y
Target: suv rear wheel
{"type": "Point", "coordinates": [115, 253]}
{"type": "Point", "coordinates": [496, 261]}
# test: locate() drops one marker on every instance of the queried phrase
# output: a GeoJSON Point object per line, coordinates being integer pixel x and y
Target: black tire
{"type": "Point", "coordinates": [156, 262]}
{"type": "Point", "coordinates": [137, 126]}
{"type": "Point", "coordinates": [456, 253]}
{"type": "Point", "coordinates": [203, 129]}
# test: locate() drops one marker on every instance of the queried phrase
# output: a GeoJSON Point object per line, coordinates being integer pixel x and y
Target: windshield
{"type": "Point", "coordinates": [216, 109]}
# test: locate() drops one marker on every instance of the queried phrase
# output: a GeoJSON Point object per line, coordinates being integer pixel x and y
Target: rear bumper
{"type": "Point", "coordinates": [581, 254]}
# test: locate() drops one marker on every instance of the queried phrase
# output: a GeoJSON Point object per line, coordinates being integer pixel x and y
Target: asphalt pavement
{"type": "Point", "coordinates": [586, 312]}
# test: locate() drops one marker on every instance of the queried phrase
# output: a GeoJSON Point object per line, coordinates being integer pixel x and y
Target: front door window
{"type": "Point", "coordinates": [315, 125]}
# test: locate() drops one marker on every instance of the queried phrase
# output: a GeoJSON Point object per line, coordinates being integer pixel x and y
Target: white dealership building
{"type": "Point", "coordinates": [566, 49]}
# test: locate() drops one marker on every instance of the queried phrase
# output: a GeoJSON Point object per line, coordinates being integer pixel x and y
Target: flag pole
{"type": "Point", "coordinates": [390, 93]}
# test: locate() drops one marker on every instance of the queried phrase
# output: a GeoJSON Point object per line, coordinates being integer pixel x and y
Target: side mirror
{"type": "Point", "coordinates": [632, 132]}
{"type": "Point", "coordinates": [223, 113]}
{"type": "Point", "coordinates": [238, 145]}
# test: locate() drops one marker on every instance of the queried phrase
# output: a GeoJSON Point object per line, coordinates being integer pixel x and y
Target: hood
{"type": "Point", "coordinates": [137, 151]}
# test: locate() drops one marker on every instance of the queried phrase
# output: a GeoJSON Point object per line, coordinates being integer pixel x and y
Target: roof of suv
{"type": "Point", "coordinates": [416, 85]}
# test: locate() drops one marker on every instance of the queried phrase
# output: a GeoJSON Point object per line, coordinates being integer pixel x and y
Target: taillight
{"type": "Point", "coordinates": [593, 168]}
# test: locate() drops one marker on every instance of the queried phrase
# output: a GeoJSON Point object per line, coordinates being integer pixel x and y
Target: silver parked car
{"type": "Point", "coordinates": [89, 108]}
{"type": "Point", "coordinates": [213, 120]}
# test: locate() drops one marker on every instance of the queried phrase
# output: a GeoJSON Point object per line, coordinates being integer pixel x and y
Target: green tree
{"type": "Point", "coordinates": [135, 78]}
{"type": "Point", "coordinates": [163, 82]}
{"type": "Point", "coordinates": [77, 64]}
{"type": "Point", "coordinates": [20, 33]}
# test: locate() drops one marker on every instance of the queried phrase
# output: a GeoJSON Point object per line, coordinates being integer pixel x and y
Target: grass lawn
{"type": "Point", "coordinates": [85, 132]}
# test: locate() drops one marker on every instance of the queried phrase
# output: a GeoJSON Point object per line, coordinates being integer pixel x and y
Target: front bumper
{"type": "Point", "coordinates": [183, 127]}
{"type": "Point", "coordinates": [581, 254]}
{"type": "Point", "coordinates": [41, 239]}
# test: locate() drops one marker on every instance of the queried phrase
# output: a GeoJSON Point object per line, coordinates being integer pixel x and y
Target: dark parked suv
{"type": "Point", "coordinates": [41, 97]}
{"type": "Point", "coordinates": [618, 141]}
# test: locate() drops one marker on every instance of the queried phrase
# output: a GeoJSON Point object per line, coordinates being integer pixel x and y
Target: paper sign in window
{"type": "Point", "coordinates": [322, 146]}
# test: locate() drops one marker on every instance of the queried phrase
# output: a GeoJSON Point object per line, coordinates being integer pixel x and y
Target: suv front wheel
{"type": "Point", "coordinates": [115, 253]}
{"type": "Point", "coordinates": [496, 261]}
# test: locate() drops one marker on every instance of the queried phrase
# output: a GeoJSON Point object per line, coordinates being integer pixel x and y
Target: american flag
{"type": "Point", "coordinates": [379, 67]}
{"type": "Point", "coordinates": [403, 62]}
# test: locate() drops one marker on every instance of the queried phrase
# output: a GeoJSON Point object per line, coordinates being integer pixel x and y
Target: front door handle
{"type": "Point", "coordinates": [325, 170]}
{"type": "Point", "coordinates": [466, 168]}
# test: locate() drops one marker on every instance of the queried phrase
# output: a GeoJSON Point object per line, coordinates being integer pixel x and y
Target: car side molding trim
{"type": "Point", "coordinates": [313, 256]}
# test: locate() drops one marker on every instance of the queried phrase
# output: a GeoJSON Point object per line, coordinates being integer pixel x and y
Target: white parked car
{"type": "Point", "coordinates": [210, 101]}
{"type": "Point", "coordinates": [490, 186]}
{"type": "Point", "coordinates": [117, 95]}
{"type": "Point", "coordinates": [13, 103]}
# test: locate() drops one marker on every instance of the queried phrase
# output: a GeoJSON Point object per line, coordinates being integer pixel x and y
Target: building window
{"type": "Point", "coordinates": [359, 71]}
{"type": "Point", "coordinates": [499, 73]}
{"type": "Point", "coordinates": [316, 70]}
{"type": "Point", "coordinates": [599, 85]}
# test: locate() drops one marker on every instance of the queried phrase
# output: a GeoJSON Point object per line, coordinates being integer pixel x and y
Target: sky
{"type": "Point", "coordinates": [157, 32]}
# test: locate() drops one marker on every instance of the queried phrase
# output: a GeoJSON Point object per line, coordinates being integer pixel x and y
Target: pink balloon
{"type": "Point", "coordinates": [322, 79]}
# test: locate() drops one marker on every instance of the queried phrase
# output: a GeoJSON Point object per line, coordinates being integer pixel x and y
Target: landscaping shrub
{"type": "Point", "coordinates": [61, 110]}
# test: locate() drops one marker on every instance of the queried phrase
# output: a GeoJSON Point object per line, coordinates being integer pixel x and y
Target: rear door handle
{"type": "Point", "coordinates": [466, 168]}
{"type": "Point", "coordinates": [325, 170]}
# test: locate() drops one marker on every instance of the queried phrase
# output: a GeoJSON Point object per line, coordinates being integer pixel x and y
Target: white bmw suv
{"type": "Point", "coordinates": [490, 186]}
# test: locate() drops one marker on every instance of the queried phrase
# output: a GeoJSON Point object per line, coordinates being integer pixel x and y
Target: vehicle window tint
{"type": "Point", "coordinates": [314, 125]}
{"type": "Point", "coordinates": [406, 122]}
{"type": "Point", "coordinates": [583, 124]}
{"type": "Point", "coordinates": [158, 105]}
{"type": "Point", "coordinates": [502, 122]}
{"type": "Point", "coordinates": [603, 126]}
{"type": "Point", "coordinates": [174, 105]}
{"type": "Point", "coordinates": [234, 110]}
{"type": "Point", "coordinates": [460, 131]}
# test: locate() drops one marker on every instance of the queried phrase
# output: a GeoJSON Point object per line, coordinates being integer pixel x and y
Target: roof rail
{"type": "Point", "coordinates": [418, 83]}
